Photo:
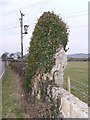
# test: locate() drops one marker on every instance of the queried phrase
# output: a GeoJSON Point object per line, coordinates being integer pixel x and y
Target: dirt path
{"type": "Point", "coordinates": [17, 103]}
{"type": "Point", "coordinates": [22, 94]}
{"type": "Point", "coordinates": [31, 109]}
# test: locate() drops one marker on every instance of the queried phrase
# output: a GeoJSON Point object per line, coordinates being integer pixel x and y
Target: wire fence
{"type": "Point", "coordinates": [79, 89]}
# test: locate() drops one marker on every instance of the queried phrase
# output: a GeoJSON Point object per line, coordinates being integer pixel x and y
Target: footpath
{"type": "Point", "coordinates": [16, 103]}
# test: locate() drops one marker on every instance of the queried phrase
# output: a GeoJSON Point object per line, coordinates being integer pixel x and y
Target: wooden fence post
{"type": "Point", "coordinates": [68, 85]}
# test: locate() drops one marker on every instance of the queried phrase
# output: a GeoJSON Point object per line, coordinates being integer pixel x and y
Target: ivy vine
{"type": "Point", "coordinates": [50, 32]}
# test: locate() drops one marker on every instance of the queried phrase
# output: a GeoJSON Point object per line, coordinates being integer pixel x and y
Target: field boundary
{"type": "Point", "coordinates": [78, 91]}
{"type": "Point", "coordinates": [78, 74]}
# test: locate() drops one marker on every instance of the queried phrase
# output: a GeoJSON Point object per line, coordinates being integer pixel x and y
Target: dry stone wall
{"type": "Point", "coordinates": [50, 87]}
{"type": "Point", "coordinates": [71, 106]}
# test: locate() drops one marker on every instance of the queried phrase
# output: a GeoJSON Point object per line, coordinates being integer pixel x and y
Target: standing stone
{"type": "Point", "coordinates": [56, 73]}
{"type": "Point", "coordinates": [59, 67]}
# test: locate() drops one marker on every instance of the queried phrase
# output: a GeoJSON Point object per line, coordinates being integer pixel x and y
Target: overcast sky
{"type": "Point", "coordinates": [73, 12]}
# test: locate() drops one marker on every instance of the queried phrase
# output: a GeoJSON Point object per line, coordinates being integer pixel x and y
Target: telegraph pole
{"type": "Point", "coordinates": [25, 32]}
{"type": "Point", "coordinates": [21, 25]}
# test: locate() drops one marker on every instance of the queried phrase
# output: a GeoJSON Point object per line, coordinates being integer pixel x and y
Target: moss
{"type": "Point", "coordinates": [55, 107]}
{"type": "Point", "coordinates": [43, 89]}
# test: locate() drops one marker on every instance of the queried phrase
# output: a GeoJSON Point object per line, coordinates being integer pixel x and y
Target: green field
{"type": "Point", "coordinates": [0, 99]}
{"type": "Point", "coordinates": [78, 73]}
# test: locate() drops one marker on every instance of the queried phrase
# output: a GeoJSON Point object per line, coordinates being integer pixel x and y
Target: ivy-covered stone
{"type": "Point", "coordinates": [50, 32]}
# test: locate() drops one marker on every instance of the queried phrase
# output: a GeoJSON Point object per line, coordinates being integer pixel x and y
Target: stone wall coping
{"type": "Point", "coordinates": [72, 107]}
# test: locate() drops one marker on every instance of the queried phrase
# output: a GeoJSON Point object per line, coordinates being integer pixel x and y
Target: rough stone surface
{"type": "Point", "coordinates": [56, 73]}
{"type": "Point", "coordinates": [59, 67]}
{"type": "Point", "coordinates": [71, 106]}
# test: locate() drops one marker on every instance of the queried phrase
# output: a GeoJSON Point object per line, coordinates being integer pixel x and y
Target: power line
{"type": "Point", "coordinates": [76, 26]}
{"type": "Point", "coordinates": [34, 5]}
{"type": "Point", "coordinates": [15, 27]}
{"type": "Point", "coordinates": [9, 28]}
{"type": "Point", "coordinates": [9, 25]}
{"type": "Point", "coordinates": [24, 7]}
{"type": "Point", "coordinates": [66, 17]}
{"type": "Point", "coordinates": [70, 27]}
{"type": "Point", "coordinates": [72, 16]}
{"type": "Point", "coordinates": [77, 12]}
{"type": "Point", "coordinates": [3, 3]}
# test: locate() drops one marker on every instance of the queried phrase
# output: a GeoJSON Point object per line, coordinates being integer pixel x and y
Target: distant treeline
{"type": "Point", "coordinates": [78, 59]}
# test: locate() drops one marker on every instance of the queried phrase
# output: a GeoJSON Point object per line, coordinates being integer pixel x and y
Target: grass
{"type": "Point", "coordinates": [0, 99]}
{"type": "Point", "coordinates": [11, 106]}
{"type": "Point", "coordinates": [78, 73]}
